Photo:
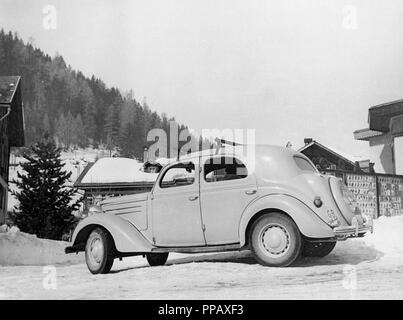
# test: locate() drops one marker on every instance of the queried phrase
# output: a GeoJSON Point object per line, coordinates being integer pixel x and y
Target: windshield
{"type": "Point", "coordinates": [304, 164]}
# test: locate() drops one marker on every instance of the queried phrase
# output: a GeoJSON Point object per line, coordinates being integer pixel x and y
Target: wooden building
{"type": "Point", "coordinates": [385, 137]}
{"type": "Point", "coordinates": [326, 158]}
{"type": "Point", "coordinates": [11, 131]}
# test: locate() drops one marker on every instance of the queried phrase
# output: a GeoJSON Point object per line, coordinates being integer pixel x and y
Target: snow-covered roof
{"type": "Point", "coordinates": [8, 87]}
{"type": "Point", "coordinates": [113, 170]}
{"type": "Point", "coordinates": [164, 161]}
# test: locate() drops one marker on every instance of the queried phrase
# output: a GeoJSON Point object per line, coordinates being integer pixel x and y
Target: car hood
{"type": "Point", "coordinates": [125, 204]}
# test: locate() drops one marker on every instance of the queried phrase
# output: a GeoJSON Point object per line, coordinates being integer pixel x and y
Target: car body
{"type": "Point", "coordinates": [275, 201]}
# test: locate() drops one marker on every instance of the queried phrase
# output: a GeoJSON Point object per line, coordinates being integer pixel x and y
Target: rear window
{"type": "Point", "coordinates": [304, 164]}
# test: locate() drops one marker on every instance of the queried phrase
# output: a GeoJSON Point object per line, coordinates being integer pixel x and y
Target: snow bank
{"type": "Point", "coordinates": [387, 237]}
{"type": "Point", "coordinates": [109, 170]}
{"type": "Point", "coordinates": [19, 248]}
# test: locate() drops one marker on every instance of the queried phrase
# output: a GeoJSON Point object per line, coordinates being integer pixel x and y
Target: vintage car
{"type": "Point", "coordinates": [280, 207]}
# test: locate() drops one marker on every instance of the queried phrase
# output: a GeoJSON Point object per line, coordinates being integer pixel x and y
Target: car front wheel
{"type": "Point", "coordinates": [275, 240]}
{"type": "Point", "coordinates": [99, 251]}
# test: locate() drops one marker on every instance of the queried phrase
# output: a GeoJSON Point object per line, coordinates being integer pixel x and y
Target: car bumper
{"type": "Point", "coordinates": [355, 230]}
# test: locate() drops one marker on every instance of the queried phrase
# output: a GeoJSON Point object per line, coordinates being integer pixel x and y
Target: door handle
{"type": "Point", "coordinates": [250, 192]}
{"type": "Point", "coordinates": [193, 198]}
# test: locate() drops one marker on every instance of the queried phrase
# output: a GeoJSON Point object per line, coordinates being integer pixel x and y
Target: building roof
{"type": "Point", "coordinates": [8, 86]}
{"type": "Point", "coordinates": [366, 134]}
{"type": "Point", "coordinates": [10, 97]}
{"type": "Point", "coordinates": [114, 171]}
{"type": "Point", "coordinates": [379, 116]}
{"type": "Point", "coordinates": [339, 154]}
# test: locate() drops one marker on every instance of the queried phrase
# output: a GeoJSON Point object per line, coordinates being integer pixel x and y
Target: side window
{"type": "Point", "coordinates": [181, 174]}
{"type": "Point", "coordinates": [223, 169]}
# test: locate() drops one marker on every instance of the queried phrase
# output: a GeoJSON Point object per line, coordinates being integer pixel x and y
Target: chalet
{"type": "Point", "coordinates": [385, 137]}
{"type": "Point", "coordinates": [326, 158]}
{"type": "Point", "coordinates": [11, 131]}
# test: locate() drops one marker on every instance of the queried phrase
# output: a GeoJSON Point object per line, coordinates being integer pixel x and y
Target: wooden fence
{"type": "Point", "coordinates": [377, 194]}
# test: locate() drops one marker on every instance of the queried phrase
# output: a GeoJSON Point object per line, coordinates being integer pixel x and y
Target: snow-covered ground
{"type": "Point", "coordinates": [18, 248]}
{"type": "Point", "coordinates": [367, 268]}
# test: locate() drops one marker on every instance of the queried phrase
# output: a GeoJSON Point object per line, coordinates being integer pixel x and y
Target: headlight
{"type": "Point", "coordinates": [348, 197]}
{"type": "Point", "coordinates": [94, 209]}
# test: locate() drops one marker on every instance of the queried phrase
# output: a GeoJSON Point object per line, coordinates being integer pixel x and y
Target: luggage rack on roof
{"type": "Point", "coordinates": [220, 145]}
{"type": "Point", "coordinates": [221, 142]}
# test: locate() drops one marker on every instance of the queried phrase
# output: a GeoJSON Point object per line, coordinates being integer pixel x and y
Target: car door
{"type": "Point", "coordinates": [176, 206]}
{"type": "Point", "coordinates": [226, 188]}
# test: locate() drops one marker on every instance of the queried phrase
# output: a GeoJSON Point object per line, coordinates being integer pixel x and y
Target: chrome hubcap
{"type": "Point", "coordinates": [275, 240]}
{"type": "Point", "coordinates": [96, 251]}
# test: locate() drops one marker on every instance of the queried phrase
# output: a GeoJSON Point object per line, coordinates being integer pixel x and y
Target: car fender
{"type": "Point", "coordinates": [126, 236]}
{"type": "Point", "coordinates": [309, 224]}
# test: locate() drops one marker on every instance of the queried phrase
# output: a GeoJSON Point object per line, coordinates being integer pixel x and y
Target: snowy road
{"type": "Point", "coordinates": [367, 268]}
{"type": "Point", "coordinates": [353, 270]}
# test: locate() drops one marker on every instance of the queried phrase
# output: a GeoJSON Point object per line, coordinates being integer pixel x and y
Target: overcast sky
{"type": "Point", "coordinates": [289, 69]}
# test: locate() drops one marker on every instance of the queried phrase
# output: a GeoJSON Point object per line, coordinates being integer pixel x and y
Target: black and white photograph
{"type": "Point", "coordinates": [186, 150]}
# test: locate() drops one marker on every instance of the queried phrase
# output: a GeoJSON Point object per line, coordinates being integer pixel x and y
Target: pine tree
{"type": "Point", "coordinates": [70, 130]}
{"type": "Point", "coordinates": [139, 132]}
{"type": "Point", "coordinates": [51, 88]}
{"type": "Point", "coordinates": [46, 123]}
{"type": "Point", "coordinates": [79, 137]}
{"type": "Point", "coordinates": [45, 203]}
{"type": "Point", "coordinates": [61, 129]}
{"type": "Point", "coordinates": [127, 141]}
{"type": "Point", "coordinates": [112, 122]}
{"type": "Point", "coordinates": [90, 126]}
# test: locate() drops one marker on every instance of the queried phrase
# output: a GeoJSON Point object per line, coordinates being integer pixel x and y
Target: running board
{"type": "Point", "coordinates": [201, 249]}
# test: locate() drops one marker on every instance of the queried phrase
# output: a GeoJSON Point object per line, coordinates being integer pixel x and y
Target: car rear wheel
{"type": "Point", "coordinates": [157, 259]}
{"type": "Point", "coordinates": [99, 251]}
{"type": "Point", "coordinates": [275, 240]}
{"type": "Point", "coordinates": [318, 249]}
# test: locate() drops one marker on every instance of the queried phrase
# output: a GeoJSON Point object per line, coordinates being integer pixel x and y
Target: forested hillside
{"type": "Point", "coordinates": [76, 110]}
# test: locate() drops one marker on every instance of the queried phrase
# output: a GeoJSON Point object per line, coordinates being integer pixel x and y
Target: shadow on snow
{"type": "Point", "coordinates": [341, 255]}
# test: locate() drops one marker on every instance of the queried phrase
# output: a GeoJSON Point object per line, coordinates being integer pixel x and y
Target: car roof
{"type": "Point", "coordinates": [268, 163]}
{"type": "Point", "coordinates": [242, 150]}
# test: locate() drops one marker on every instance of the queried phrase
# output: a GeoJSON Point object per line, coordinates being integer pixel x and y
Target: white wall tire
{"type": "Point", "coordinates": [275, 240]}
{"type": "Point", "coordinates": [99, 251]}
